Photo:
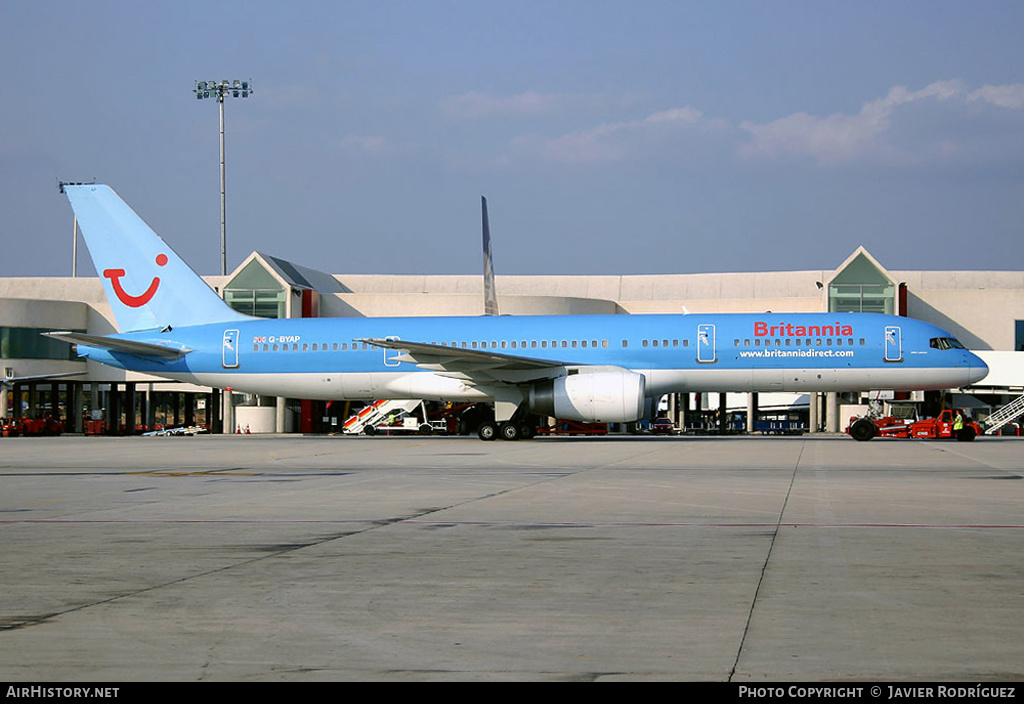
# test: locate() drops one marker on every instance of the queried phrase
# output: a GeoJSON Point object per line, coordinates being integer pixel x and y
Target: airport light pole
{"type": "Point", "coordinates": [221, 90]}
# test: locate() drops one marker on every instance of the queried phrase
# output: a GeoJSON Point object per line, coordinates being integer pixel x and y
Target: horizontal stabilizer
{"type": "Point", "coordinates": [11, 381]}
{"type": "Point", "coordinates": [114, 344]}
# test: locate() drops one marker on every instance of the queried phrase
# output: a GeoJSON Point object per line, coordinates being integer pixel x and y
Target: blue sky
{"type": "Point", "coordinates": [609, 137]}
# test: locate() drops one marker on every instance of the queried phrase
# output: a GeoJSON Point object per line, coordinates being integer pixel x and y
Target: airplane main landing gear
{"type": "Point", "coordinates": [507, 430]}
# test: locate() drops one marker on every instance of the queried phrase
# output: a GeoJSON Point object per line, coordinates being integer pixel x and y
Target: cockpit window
{"type": "Point", "coordinates": [946, 343]}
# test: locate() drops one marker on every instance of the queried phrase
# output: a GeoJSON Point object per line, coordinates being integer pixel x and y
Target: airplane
{"type": "Point", "coordinates": [588, 368]}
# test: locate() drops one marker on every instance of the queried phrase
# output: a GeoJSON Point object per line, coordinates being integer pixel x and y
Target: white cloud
{"type": "Point", "coordinates": [1008, 96]}
{"type": "Point", "coordinates": [615, 141]}
{"type": "Point", "coordinates": [842, 137]}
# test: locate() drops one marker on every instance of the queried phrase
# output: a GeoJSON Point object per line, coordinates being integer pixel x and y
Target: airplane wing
{"type": "Point", "coordinates": [473, 365]}
{"type": "Point", "coordinates": [114, 344]}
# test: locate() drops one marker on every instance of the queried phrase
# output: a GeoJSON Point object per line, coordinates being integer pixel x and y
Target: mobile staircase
{"type": "Point", "coordinates": [1004, 415]}
{"type": "Point", "coordinates": [377, 412]}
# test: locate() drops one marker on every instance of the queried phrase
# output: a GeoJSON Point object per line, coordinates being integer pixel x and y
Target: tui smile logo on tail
{"type": "Point", "coordinates": [129, 300]}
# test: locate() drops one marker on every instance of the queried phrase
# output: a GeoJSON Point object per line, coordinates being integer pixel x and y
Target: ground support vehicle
{"type": "Point", "coordinates": [32, 427]}
{"type": "Point", "coordinates": [181, 431]}
{"type": "Point", "coordinates": [890, 427]}
{"type": "Point", "coordinates": [407, 425]}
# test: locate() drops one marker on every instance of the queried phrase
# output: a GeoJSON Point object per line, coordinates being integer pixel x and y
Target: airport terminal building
{"type": "Point", "coordinates": [44, 380]}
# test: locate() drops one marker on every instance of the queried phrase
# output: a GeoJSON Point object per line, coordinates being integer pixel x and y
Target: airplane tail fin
{"type": "Point", "coordinates": [147, 284]}
{"type": "Point", "coordinates": [490, 293]}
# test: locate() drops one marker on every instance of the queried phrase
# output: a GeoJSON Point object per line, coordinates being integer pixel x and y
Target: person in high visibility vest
{"type": "Point", "coordinates": [958, 423]}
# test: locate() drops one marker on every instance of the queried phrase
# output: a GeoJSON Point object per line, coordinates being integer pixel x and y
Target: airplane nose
{"type": "Point", "coordinates": [978, 368]}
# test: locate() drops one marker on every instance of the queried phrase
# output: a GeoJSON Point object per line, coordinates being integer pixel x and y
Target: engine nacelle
{"type": "Point", "coordinates": [599, 397]}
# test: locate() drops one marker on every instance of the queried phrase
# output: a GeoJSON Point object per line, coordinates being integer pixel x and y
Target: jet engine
{"type": "Point", "coordinates": [597, 397]}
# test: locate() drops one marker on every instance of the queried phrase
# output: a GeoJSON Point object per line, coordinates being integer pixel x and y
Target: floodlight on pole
{"type": "Point", "coordinates": [220, 90]}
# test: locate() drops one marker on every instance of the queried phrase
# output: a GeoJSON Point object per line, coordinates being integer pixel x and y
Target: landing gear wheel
{"type": "Point", "coordinates": [509, 431]}
{"type": "Point", "coordinates": [487, 431]}
{"type": "Point", "coordinates": [862, 430]}
{"type": "Point", "coordinates": [526, 431]}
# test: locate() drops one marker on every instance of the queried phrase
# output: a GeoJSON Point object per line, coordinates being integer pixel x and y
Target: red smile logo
{"type": "Point", "coordinates": [129, 300]}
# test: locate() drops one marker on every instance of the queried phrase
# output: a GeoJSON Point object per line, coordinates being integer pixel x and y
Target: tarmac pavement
{"type": "Point", "coordinates": [283, 558]}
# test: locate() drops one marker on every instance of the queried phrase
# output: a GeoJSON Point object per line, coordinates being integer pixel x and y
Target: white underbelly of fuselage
{"type": "Point", "coordinates": [434, 387]}
{"type": "Point", "coordinates": [341, 386]}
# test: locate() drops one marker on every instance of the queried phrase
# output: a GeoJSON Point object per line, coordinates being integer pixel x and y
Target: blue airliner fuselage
{"type": "Point", "coordinates": [726, 352]}
{"type": "Point", "coordinates": [581, 367]}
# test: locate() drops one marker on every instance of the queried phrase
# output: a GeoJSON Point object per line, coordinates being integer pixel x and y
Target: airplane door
{"type": "Point", "coordinates": [391, 356]}
{"type": "Point", "coordinates": [706, 343]}
{"type": "Point", "coordinates": [229, 349]}
{"type": "Point", "coordinates": [893, 343]}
